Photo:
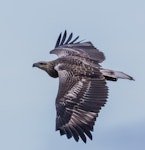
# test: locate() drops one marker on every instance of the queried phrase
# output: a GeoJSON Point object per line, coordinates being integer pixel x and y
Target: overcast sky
{"type": "Point", "coordinates": [28, 31]}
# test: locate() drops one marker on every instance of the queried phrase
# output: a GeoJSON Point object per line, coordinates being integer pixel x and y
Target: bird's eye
{"type": "Point", "coordinates": [41, 63]}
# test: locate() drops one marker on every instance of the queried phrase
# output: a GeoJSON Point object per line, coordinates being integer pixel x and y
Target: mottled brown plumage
{"type": "Point", "coordinates": [82, 85]}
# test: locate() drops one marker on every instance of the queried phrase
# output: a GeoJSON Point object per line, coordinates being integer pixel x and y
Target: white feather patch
{"type": "Point", "coordinates": [75, 90]}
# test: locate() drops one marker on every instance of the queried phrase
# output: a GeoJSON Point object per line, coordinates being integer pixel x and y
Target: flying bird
{"type": "Point", "coordinates": [82, 85]}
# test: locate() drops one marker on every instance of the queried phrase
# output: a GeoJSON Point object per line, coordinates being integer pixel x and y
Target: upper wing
{"type": "Point", "coordinates": [66, 47]}
{"type": "Point", "coordinates": [79, 99]}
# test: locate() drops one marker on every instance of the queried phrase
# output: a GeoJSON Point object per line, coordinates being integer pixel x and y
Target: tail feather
{"type": "Point", "coordinates": [115, 74]}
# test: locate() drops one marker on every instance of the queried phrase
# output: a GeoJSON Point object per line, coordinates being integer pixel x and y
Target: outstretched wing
{"type": "Point", "coordinates": [79, 100]}
{"type": "Point", "coordinates": [65, 47]}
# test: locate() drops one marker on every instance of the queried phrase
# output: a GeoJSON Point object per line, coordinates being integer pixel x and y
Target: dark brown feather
{"type": "Point", "coordinates": [79, 103]}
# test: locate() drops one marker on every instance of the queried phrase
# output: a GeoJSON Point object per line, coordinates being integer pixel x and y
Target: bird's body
{"type": "Point", "coordinates": [82, 85]}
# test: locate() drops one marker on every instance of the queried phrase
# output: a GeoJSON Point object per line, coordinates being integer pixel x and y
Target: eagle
{"type": "Point", "coordinates": [82, 85]}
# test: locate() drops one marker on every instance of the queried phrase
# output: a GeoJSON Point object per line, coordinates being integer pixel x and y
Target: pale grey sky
{"type": "Point", "coordinates": [28, 31]}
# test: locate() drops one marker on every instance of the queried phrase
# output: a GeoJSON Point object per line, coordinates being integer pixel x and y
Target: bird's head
{"type": "Point", "coordinates": [48, 67]}
{"type": "Point", "coordinates": [41, 65]}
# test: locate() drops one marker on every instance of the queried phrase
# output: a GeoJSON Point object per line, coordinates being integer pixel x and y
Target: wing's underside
{"type": "Point", "coordinates": [78, 103]}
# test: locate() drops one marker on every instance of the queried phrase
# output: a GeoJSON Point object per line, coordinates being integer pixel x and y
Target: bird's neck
{"type": "Point", "coordinates": [51, 71]}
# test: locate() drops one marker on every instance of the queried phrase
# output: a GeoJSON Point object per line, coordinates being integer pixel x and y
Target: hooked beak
{"type": "Point", "coordinates": [35, 65]}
